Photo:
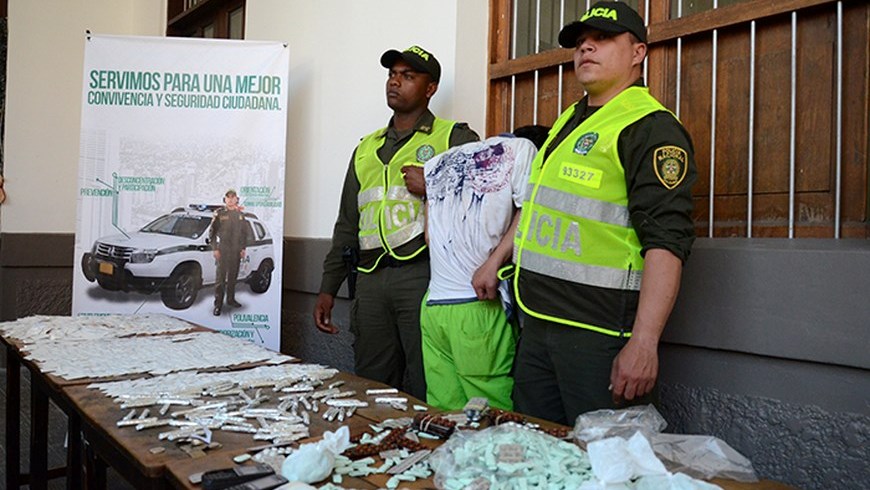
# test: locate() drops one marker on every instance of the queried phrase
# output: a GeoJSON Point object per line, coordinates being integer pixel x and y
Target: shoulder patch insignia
{"type": "Point", "coordinates": [585, 143]}
{"type": "Point", "coordinates": [424, 153]}
{"type": "Point", "coordinates": [669, 163]}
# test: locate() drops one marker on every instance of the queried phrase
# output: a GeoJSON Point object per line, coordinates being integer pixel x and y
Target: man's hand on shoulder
{"type": "Point", "coordinates": [323, 313]}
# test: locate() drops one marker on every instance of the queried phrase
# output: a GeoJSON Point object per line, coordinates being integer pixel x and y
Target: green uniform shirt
{"type": "Point", "coordinates": [346, 230]}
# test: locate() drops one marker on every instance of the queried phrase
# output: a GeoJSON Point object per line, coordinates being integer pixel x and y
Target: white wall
{"type": "Point", "coordinates": [472, 48]}
{"type": "Point", "coordinates": [43, 102]}
{"type": "Point", "coordinates": [336, 90]}
{"type": "Point", "coordinates": [337, 83]}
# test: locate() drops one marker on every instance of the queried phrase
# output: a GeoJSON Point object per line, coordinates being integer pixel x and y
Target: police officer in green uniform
{"type": "Point", "coordinates": [381, 216]}
{"type": "Point", "coordinates": [228, 237]}
{"type": "Point", "coordinates": [604, 233]}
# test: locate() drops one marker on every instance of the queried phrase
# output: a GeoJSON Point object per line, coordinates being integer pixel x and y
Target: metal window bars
{"type": "Point", "coordinates": [535, 34]}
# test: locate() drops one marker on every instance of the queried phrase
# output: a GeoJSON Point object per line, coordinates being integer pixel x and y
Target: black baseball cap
{"type": "Point", "coordinates": [417, 57]}
{"type": "Point", "coordinates": [615, 17]}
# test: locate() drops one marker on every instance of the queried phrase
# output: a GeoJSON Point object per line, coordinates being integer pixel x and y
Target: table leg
{"type": "Point", "coordinates": [96, 470]}
{"type": "Point", "coordinates": [74, 453]}
{"type": "Point", "coordinates": [13, 419]}
{"type": "Point", "coordinates": [38, 434]}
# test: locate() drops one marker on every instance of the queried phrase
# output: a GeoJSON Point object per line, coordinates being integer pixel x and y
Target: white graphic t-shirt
{"type": "Point", "coordinates": [472, 191]}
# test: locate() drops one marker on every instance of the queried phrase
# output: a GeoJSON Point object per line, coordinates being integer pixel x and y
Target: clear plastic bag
{"type": "Point", "coordinates": [702, 457]}
{"type": "Point", "coordinates": [508, 456]}
{"type": "Point", "coordinates": [676, 481]}
{"type": "Point", "coordinates": [601, 424]}
{"type": "Point", "coordinates": [695, 455]}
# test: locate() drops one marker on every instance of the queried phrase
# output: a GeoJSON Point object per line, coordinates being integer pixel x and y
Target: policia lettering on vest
{"type": "Point", "coordinates": [380, 216]}
{"type": "Point", "coordinates": [605, 229]}
{"type": "Point", "coordinates": [545, 230]}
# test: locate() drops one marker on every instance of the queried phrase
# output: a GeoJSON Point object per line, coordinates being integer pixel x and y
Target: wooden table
{"type": "Point", "coordinates": [130, 453]}
{"type": "Point", "coordinates": [42, 388]}
{"type": "Point", "coordinates": [178, 471]}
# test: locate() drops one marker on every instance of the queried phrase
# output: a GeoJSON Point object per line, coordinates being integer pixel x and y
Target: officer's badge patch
{"type": "Point", "coordinates": [424, 153]}
{"type": "Point", "coordinates": [585, 143]}
{"type": "Point", "coordinates": [669, 163]}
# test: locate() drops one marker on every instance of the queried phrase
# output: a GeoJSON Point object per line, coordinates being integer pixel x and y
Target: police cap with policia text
{"type": "Point", "coordinates": [419, 59]}
{"type": "Point", "coordinates": [614, 17]}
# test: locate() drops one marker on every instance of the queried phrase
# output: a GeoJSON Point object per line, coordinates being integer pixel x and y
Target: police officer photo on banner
{"type": "Point", "coordinates": [229, 236]}
{"type": "Point", "coordinates": [181, 182]}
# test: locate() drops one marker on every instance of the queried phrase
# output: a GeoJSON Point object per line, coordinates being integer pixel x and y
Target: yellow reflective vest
{"type": "Point", "coordinates": [575, 222]}
{"type": "Point", "coordinates": [389, 215]}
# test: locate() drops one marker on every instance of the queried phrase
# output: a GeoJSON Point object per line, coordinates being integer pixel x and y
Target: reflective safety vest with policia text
{"type": "Point", "coordinates": [575, 222]}
{"type": "Point", "coordinates": [389, 215]}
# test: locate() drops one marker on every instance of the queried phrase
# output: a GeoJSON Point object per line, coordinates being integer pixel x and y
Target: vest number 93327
{"type": "Point", "coordinates": [581, 174]}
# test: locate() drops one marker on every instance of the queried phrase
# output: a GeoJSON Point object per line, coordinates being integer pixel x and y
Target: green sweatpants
{"type": "Point", "coordinates": [468, 351]}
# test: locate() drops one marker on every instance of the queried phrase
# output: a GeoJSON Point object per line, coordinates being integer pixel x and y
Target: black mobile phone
{"type": "Point", "coordinates": [265, 483]}
{"type": "Point", "coordinates": [227, 477]}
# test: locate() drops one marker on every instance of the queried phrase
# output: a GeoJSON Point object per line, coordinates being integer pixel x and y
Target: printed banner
{"type": "Point", "coordinates": [175, 133]}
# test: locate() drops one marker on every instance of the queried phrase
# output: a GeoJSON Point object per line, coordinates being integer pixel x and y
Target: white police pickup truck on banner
{"type": "Point", "coordinates": [168, 126]}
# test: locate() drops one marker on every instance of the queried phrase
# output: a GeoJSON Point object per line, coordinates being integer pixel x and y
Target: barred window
{"type": "Point", "coordinates": [223, 19]}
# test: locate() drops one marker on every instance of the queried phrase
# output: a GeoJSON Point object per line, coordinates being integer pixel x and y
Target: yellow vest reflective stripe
{"type": "Point", "coordinates": [401, 214]}
{"type": "Point", "coordinates": [575, 224]}
{"type": "Point", "coordinates": [390, 215]}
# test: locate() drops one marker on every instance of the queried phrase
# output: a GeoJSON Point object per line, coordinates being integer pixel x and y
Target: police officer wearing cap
{"type": "Point", "coordinates": [604, 233]}
{"type": "Point", "coordinates": [228, 237]}
{"type": "Point", "coordinates": [381, 216]}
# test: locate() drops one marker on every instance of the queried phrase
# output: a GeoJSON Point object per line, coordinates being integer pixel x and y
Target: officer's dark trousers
{"type": "Point", "coordinates": [562, 371]}
{"type": "Point", "coordinates": [385, 322]}
{"type": "Point", "coordinates": [227, 273]}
